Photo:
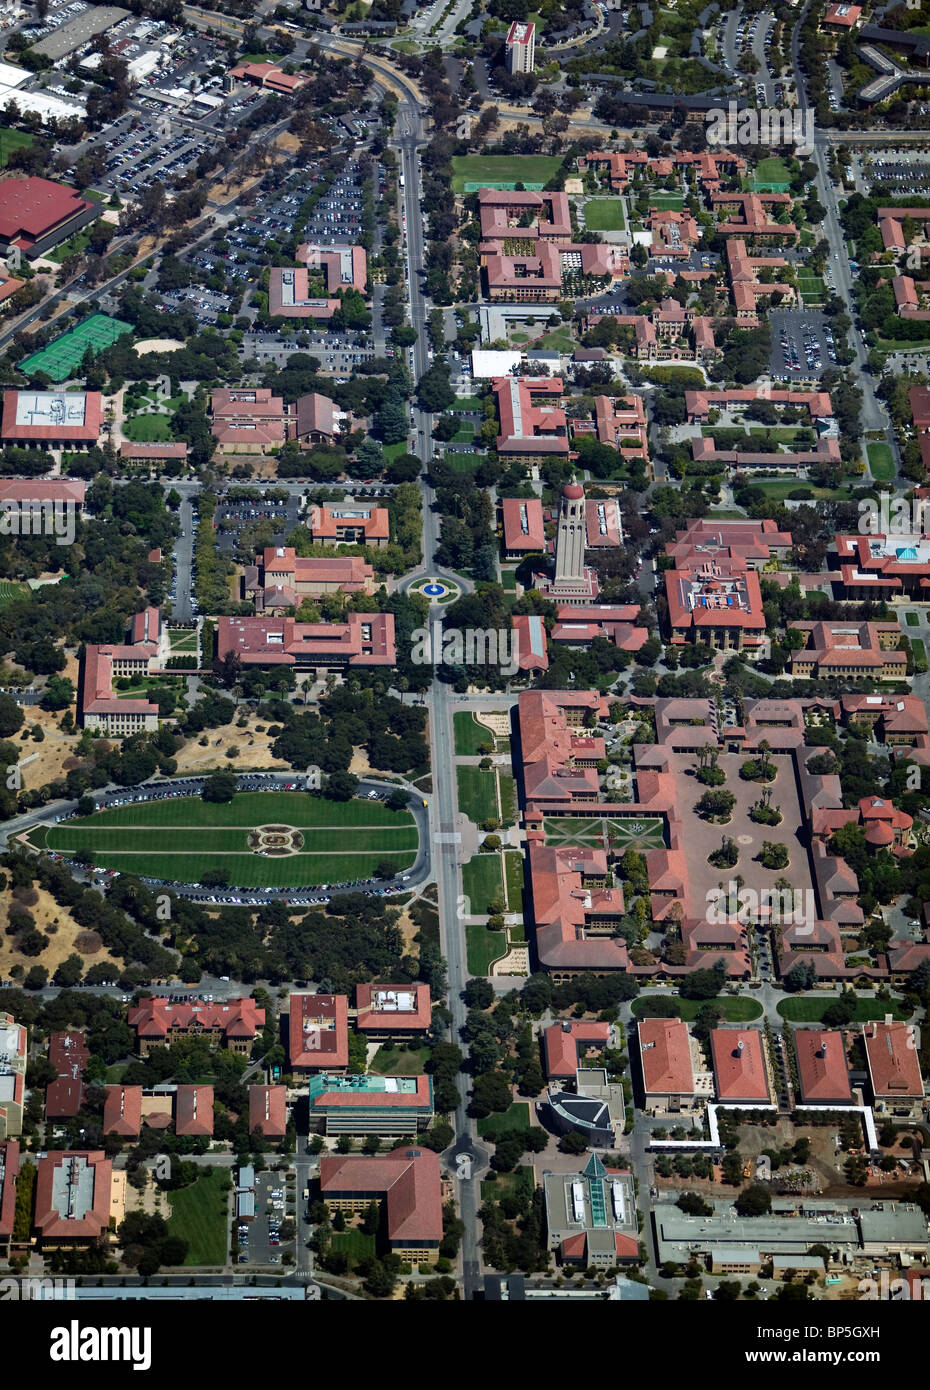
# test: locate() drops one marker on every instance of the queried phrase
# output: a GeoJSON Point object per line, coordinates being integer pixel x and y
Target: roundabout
{"type": "Point", "coordinates": [436, 590]}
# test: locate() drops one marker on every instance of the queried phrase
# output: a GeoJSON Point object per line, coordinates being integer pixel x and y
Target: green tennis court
{"type": "Point", "coordinates": [62, 358]}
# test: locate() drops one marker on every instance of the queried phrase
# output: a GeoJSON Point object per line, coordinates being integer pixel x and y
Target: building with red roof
{"type": "Point", "coordinates": [14, 1047]}
{"type": "Point", "coordinates": [59, 492]}
{"type": "Point", "coordinates": [849, 649]}
{"type": "Point", "coordinates": [578, 625]}
{"type": "Point", "coordinates": [621, 423]}
{"type": "Point", "coordinates": [715, 601]}
{"type": "Point", "coordinates": [591, 1216]}
{"type": "Point", "coordinates": [752, 216]}
{"type": "Point", "coordinates": [232, 1024]}
{"type": "Point", "coordinates": [520, 46]}
{"type": "Point", "coordinates": [122, 1111]}
{"type": "Point", "coordinates": [318, 1032]}
{"type": "Point", "coordinates": [280, 579]}
{"type": "Point", "coordinates": [740, 1069]}
{"type": "Point", "coordinates": [562, 1041]}
{"type": "Point", "coordinates": [524, 530]}
{"type": "Point", "coordinates": [73, 1193]}
{"type": "Point", "coordinates": [69, 1055]}
{"type": "Point", "coordinates": [407, 1181]}
{"type": "Point", "coordinates": [881, 567]}
{"type": "Point", "coordinates": [392, 1106]}
{"type": "Point", "coordinates": [667, 1056]}
{"type": "Point", "coordinates": [894, 1071]}
{"type": "Point", "coordinates": [52, 419]}
{"type": "Point", "coordinates": [529, 642]}
{"type": "Point", "coordinates": [268, 1111]}
{"type": "Point", "coordinates": [755, 542]}
{"type": "Point", "coordinates": [9, 1168]}
{"type": "Point", "coordinates": [822, 1070]}
{"type": "Point", "coordinates": [249, 419]}
{"type": "Point", "coordinates": [193, 1111]}
{"type": "Point", "coordinates": [841, 16]}
{"type": "Point", "coordinates": [37, 214]}
{"type": "Point", "coordinates": [146, 649]}
{"type": "Point", "coordinates": [364, 639]}
{"type": "Point", "coordinates": [532, 421]}
{"type": "Point", "coordinates": [346, 524]}
{"type": "Point", "coordinates": [503, 211]}
{"type": "Point", "coordinates": [269, 76]}
{"type": "Point", "coordinates": [395, 1012]}
{"type": "Point", "coordinates": [131, 452]}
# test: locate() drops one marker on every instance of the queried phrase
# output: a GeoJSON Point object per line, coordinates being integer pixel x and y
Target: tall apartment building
{"type": "Point", "coordinates": [521, 47]}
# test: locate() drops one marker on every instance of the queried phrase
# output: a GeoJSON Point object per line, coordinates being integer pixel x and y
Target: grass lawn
{"type": "Point", "coordinates": [182, 639]}
{"type": "Point", "coordinates": [502, 168]}
{"type": "Point", "coordinates": [920, 654]}
{"type": "Point", "coordinates": [912, 619]}
{"type": "Point", "coordinates": [736, 1009]}
{"type": "Point", "coordinates": [482, 947]}
{"type": "Point", "coordinates": [11, 140]}
{"type": "Point", "coordinates": [560, 340]}
{"type": "Point", "coordinates": [469, 734]}
{"type": "Point", "coordinates": [778, 489]}
{"type": "Point", "coordinates": [463, 463]}
{"type": "Point", "coordinates": [477, 792]}
{"type": "Point", "coordinates": [399, 1061]}
{"type": "Point", "coordinates": [509, 581]}
{"type": "Point", "coordinates": [72, 247]}
{"type": "Point", "coordinates": [199, 1215]}
{"type": "Point", "coordinates": [481, 882]}
{"type": "Point", "coordinates": [513, 873]}
{"type": "Point", "coordinates": [10, 591]}
{"type": "Point", "coordinates": [897, 345]}
{"type": "Point", "coordinates": [517, 1117]}
{"type": "Point", "coordinates": [149, 429]}
{"type": "Point", "coordinates": [393, 451]}
{"type": "Point", "coordinates": [354, 1243]}
{"type": "Point", "coordinates": [509, 1184]}
{"type": "Point", "coordinates": [773, 170]}
{"type": "Point", "coordinates": [810, 1009]}
{"type": "Point", "coordinates": [881, 462]}
{"type": "Point", "coordinates": [464, 435]}
{"type": "Point", "coordinates": [179, 839]}
{"type": "Point", "coordinates": [665, 202]}
{"type": "Point", "coordinates": [604, 215]}
{"type": "Point", "coordinates": [469, 403]}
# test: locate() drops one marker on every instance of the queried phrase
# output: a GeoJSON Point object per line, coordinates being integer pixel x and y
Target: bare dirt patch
{"type": "Point", "coordinates": [65, 936]}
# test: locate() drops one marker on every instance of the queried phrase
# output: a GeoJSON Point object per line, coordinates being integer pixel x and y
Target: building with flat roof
{"type": "Point", "coordinates": [740, 1070]}
{"type": "Point", "coordinates": [364, 639]}
{"type": "Point", "coordinates": [37, 214]}
{"type": "Point", "coordinates": [73, 1193]}
{"type": "Point", "coordinates": [591, 1216]}
{"type": "Point", "coordinates": [13, 1047]}
{"type": "Point", "coordinates": [392, 1106]}
{"type": "Point", "coordinates": [268, 1111]}
{"type": "Point", "coordinates": [520, 47]}
{"type": "Point", "coordinates": [318, 1032]}
{"type": "Point", "coordinates": [409, 1184]}
{"type": "Point", "coordinates": [52, 419]}
{"type": "Point", "coordinates": [894, 1071]}
{"type": "Point", "coordinates": [393, 1012]}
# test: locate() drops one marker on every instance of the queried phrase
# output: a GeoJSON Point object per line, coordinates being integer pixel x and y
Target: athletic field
{"type": "Point", "coordinates": [179, 839]}
{"type": "Point", "coordinates": [62, 358]}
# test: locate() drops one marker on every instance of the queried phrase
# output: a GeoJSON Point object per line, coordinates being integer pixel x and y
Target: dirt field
{"type": "Point", "coordinates": [254, 750]}
{"type": "Point", "coordinates": [49, 918]}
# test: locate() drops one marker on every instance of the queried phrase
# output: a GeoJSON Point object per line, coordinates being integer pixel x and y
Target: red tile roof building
{"type": "Point", "coordinates": [822, 1069]}
{"type": "Point", "coordinates": [9, 1168]}
{"type": "Point", "coordinates": [894, 1072]}
{"type": "Point", "coordinates": [268, 1111]}
{"type": "Point", "coordinates": [38, 213]}
{"type": "Point", "coordinates": [563, 1042]}
{"type": "Point", "coordinates": [524, 531]}
{"type": "Point", "coordinates": [849, 649]}
{"type": "Point", "coordinates": [100, 707]}
{"type": "Point", "coordinates": [665, 1053]}
{"type": "Point", "coordinates": [578, 625]}
{"type": "Point", "coordinates": [842, 16]}
{"type": "Point", "coordinates": [410, 1184]}
{"type": "Point", "coordinates": [364, 639]}
{"type": "Point", "coordinates": [232, 1024]}
{"type": "Point", "coordinates": [72, 1197]}
{"type": "Point", "coordinates": [69, 1055]}
{"type": "Point", "coordinates": [58, 419]}
{"type": "Point", "coordinates": [755, 542]}
{"type": "Point", "coordinates": [747, 286]}
{"type": "Point", "coordinates": [620, 167]}
{"type": "Point", "coordinates": [193, 1111]}
{"type": "Point", "coordinates": [280, 578]}
{"type": "Point", "coordinates": [673, 233]}
{"type": "Point", "coordinates": [532, 421]}
{"type": "Point", "coordinates": [62, 492]}
{"type": "Point", "coordinates": [717, 602]}
{"type": "Point", "coordinates": [699, 404]}
{"type": "Point", "coordinates": [753, 216]}
{"type": "Point", "coordinates": [247, 420]}
{"type": "Point", "coordinates": [739, 1066]}
{"type": "Point", "coordinates": [501, 212]}
{"type": "Point", "coordinates": [392, 1106]}
{"type": "Point", "coordinates": [350, 525]}
{"type": "Point", "coordinates": [529, 642]}
{"type": "Point", "coordinates": [621, 423]}
{"type": "Point", "coordinates": [883, 566]}
{"type": "Point", "coordinates": [318, 1032]}
{"type": "Point", "coordinates": [122, 1111]}
{"type": "Point", "coordinates": [267, 75]}
{"type": "Point", "coordinates": [151, 453]}
{"type": "Point", "coordinates": [393, 1011]}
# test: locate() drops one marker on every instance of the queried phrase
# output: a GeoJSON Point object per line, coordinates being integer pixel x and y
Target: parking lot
{"type": "Point", "coordinates": [802, 344]}
{"type": "Point", "coordinates": [272, 1234]}
{"type": "Point", "coordinates": [903, 174]}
